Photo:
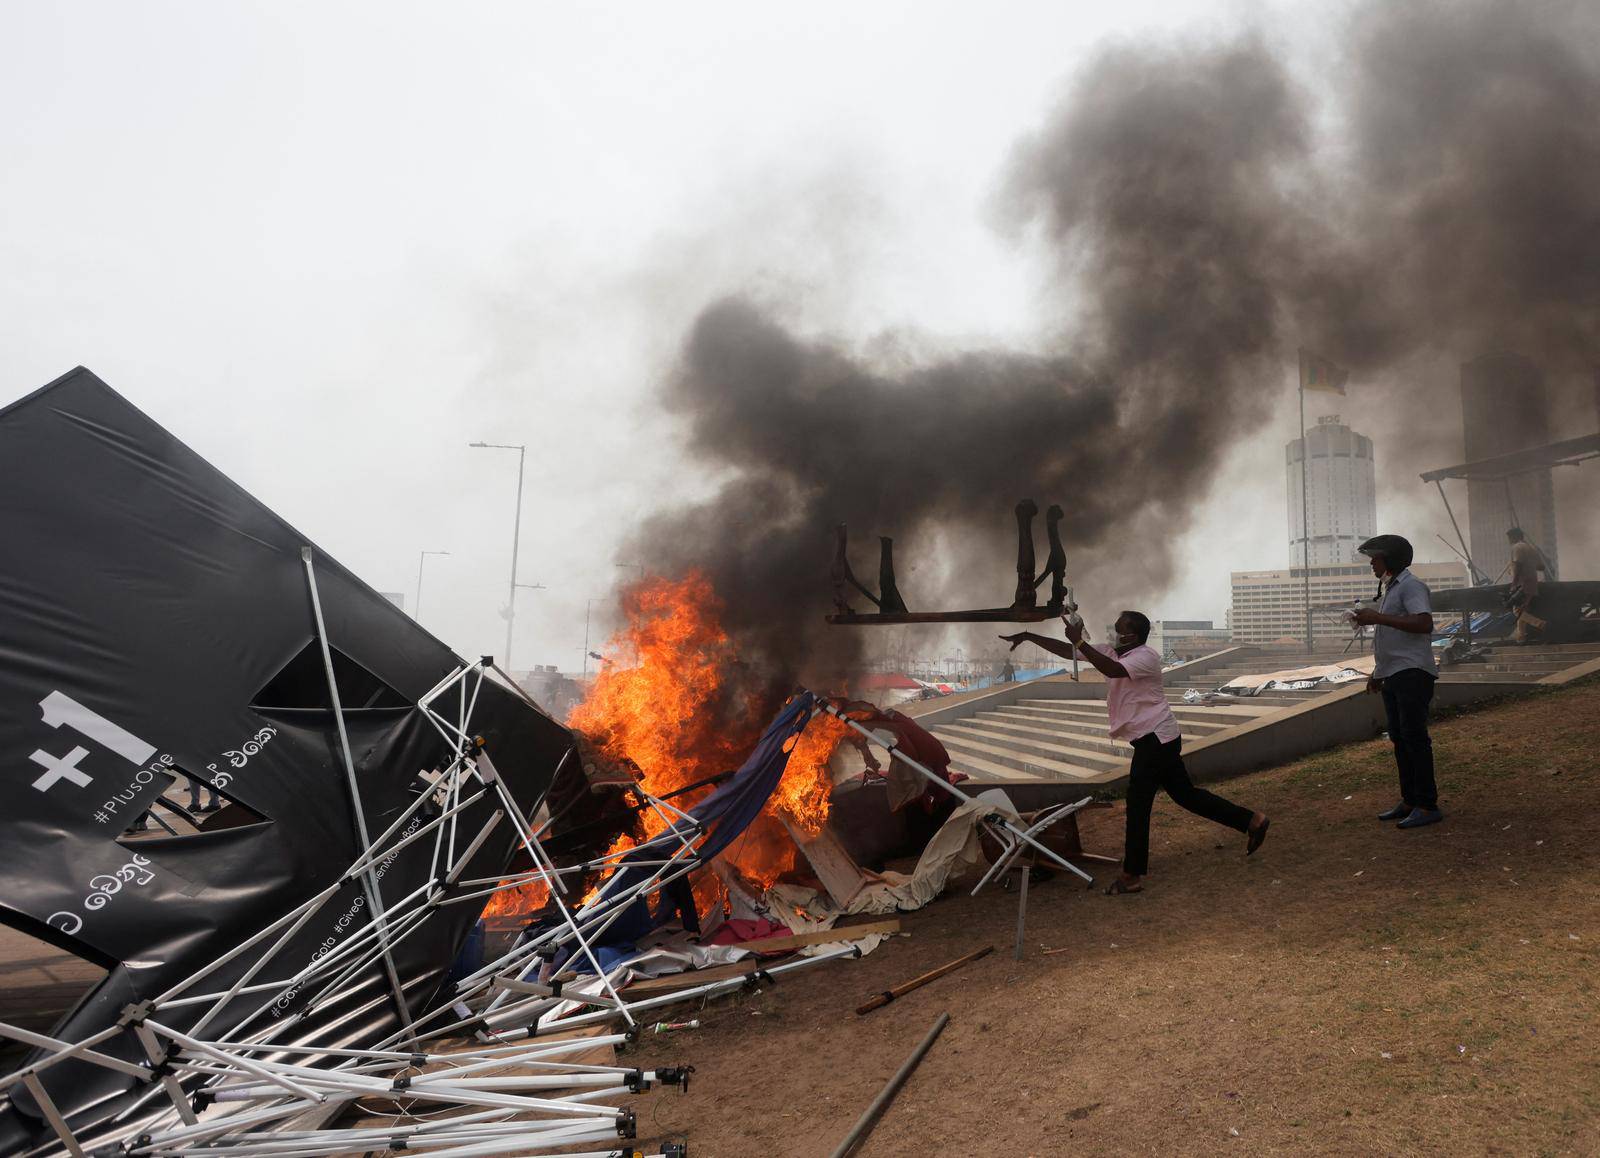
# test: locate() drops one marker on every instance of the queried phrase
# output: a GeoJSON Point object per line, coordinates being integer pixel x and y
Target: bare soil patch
{"type": "Point", "coordinates": [1351, 989]}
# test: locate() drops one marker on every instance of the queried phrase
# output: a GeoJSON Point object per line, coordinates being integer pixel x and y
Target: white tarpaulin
{"type": "Point", "coordinates": [1301, 677]}
{"type": "Point", "coordinates": [953, 849]}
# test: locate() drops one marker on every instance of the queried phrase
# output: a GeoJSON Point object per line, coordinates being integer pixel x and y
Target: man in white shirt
{"type": "Point", "coordinates": [1404, 671]}
{"type": "Point", "coordinates": [1136, 704]}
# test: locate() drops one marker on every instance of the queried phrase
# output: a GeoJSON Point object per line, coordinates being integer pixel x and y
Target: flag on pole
{"type": "Point", "coordinates": [1317, 373]}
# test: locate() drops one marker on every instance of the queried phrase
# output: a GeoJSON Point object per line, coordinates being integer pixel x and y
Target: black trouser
{"type": "Point", "coordinates": [1406, 696]}
{"type": "Point", "coordinates": [1155, 766]}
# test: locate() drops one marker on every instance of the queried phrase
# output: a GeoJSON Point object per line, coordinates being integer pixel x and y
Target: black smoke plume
{"type": "Point", "coordinates": [1429, 191]}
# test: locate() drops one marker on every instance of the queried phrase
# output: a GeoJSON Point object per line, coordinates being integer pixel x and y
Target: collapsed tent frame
{"type": "Point", "coordinates": [244, 1084]}
{"type": "Point", "coordinates": [240, 1094]}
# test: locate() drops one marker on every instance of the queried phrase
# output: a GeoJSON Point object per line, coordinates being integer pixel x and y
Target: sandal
{"type": "Point", "coordinates": [1119, 888]}
{"type": "Point", "coordinates": [1256, 835]}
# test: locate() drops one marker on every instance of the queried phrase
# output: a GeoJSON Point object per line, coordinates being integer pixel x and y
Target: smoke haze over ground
{"type": "Point", "coordinates": [1427, 195]}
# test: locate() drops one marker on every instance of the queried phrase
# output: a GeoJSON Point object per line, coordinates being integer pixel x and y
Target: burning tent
{"type": "Point", "coordinates": [162, 626]}
{"type": "Point", "coordinates": [287, 954]}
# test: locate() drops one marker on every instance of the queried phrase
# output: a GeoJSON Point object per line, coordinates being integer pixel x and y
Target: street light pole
{"type": "Point", "coordinates": [1305, 518]}
{"type": "Point", "coordinates": [416, 606]}
{"type": "Point", "coordinates": [525, 587]}
{"type": "Point", "coordinates": [587, 608]}
{"type": "Point", "coordinates": [516, 538]}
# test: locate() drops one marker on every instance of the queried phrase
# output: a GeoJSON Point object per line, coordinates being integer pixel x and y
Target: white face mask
{"type": "Point", "coordinates": [1128, 640]}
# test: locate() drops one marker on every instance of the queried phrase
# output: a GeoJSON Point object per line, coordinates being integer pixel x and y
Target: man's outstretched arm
{"type": "Point", "coordinates": [1106, 665]}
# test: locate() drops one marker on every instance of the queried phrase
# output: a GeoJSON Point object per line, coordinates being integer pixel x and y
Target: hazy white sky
{"type": "Point", "coordinates": [330, 244]}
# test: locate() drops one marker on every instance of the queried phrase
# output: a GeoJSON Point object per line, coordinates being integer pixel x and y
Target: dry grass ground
{"type": "Point", "coordinates": [1351, 989]}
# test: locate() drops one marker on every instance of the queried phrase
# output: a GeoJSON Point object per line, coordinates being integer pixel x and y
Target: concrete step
{"type": "Point", "coordinates": [1096, 709]}
{"type": "Point", "coordinates": [1094, 725]}
{"type": "Point", "coordinates": [1515, 663]}
{"type": "Point", "coordinates": [1502, 670]}
{"type": "Point", "coordinates": [1212, 679]}
{"type": "Point", "coordinates": [1265, 703]}
{"type": "Point", "coordinates": [1587, 650]}
{"type": "Point", "coordinates": [1073, 711]}
{"type": "Point", "coordinates": [1456, 675]}
{"type": "Point", "coordinates": [1056, 745]}
{"type": "Point", "coordinates": [987, 772]}
{"type": "Point", "coordinates": [1206, 682]}
{"type": "Point", "coordinates": [1069, 731]}
{"type": "Point", "coordinates": [1280, 661]}
{"type": "Point", "coordinates": [1257, 667]}
{"type": "Point", "coordinates": [1066, 749]}
{"type": "Point", "coordinates": [1237, 669]}
{"type": "Point", "coordinates": [1068, 763]}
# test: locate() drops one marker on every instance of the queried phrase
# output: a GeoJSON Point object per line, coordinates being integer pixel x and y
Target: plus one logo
{"type": "Point", "coordinates": [62, 711]}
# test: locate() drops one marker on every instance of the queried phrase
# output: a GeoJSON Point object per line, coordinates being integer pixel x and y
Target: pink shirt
{"type": "Point", "coordinates": [1138, 705]}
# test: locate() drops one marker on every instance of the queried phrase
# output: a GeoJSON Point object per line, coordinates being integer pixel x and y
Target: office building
{"type": "Point", "coordinates": [1182, 638]}
{"type": "Point", "coordinates": [1341, 494]}
{"type": "Point", "coordinates": [1269, 606]}
{"type": "Point", "coordinates": [1185, 639]}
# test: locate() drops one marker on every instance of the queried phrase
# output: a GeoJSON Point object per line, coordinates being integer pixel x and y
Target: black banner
{"type": "Point", "coordinates": [157, 627]}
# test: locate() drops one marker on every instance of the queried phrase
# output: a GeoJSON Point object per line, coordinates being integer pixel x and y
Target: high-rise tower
{"type": "Point", "coordinates": [1341, 493]}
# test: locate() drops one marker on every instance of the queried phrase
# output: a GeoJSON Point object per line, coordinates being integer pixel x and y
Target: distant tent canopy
{"type": "Point", "coordinates": [1569, 452]}
{"type": "Point", "coordinates": [887, 681]}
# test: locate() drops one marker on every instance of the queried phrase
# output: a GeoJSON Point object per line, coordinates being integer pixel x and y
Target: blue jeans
{"type": "Point", "coordinates": [1406, 696]}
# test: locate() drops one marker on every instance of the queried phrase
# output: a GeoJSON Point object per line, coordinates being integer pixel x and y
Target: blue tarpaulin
{"type": "Point", "coordinates": [723, 816]}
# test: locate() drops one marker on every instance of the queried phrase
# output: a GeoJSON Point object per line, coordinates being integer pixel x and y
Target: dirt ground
{"type": "Point", "coordinates": [1351, 989]}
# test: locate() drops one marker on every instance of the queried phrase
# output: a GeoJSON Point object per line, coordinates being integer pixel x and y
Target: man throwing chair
{"type": "Point", "coordinates": [1137, 707]}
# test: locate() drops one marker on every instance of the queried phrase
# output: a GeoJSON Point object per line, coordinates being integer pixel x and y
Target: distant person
{"type": "Point", "coordinates": [1404, 671]}
{"type": "Point", "coordinates": [1526, 563]}
{"type": "Point", "coordinates": [1008, 674]}
{"type": "Point", "coordinates": [1136, 704]}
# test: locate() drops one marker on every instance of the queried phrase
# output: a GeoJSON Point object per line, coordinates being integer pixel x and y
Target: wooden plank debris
{"type": "Point", "coordinates": [822, 936]}
{"type": "Point", "coordinates": [838, 871]}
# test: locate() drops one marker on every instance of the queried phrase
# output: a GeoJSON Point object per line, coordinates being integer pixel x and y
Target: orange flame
{"type": "Point", "coordinates": [526, 898]}
{"type": "Point", "coordinates": [668, 699]}
{"type": "Point", "coordinates": [659, 701]}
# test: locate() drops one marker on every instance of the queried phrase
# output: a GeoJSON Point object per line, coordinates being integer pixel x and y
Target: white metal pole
{"type": "Point", "coordinates": [516, 539]}
{"type": "Point", "coordinates": [369, 878]}
{"type": "Point", "coordinates": [709, 989]}
{"type": "Point", "coordinates": [47, 1107]}
{"type": "Point", "coordinates": [587, 609]}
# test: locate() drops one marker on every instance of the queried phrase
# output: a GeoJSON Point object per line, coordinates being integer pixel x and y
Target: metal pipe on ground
{"type": "Point", "coordinates": [868, 1120]}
